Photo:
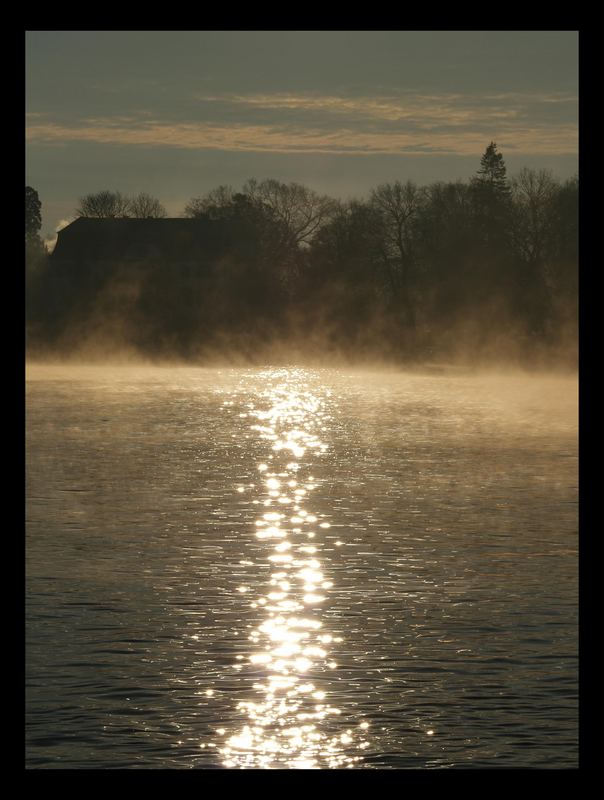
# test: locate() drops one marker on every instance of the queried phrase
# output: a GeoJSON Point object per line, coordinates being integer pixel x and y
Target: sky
{"type": "Point", "coordinates": [177, 113]}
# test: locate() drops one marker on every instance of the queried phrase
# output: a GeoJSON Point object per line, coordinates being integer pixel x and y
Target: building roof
{"type": "Point", "coordinates": [92, 239]}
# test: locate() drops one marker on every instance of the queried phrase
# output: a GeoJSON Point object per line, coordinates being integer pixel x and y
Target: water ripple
{"type": "Point", "coordinates": [300, 568]}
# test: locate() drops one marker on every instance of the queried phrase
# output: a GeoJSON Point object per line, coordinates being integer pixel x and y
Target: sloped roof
{"type": "Point", "coordinates": [91, 239]}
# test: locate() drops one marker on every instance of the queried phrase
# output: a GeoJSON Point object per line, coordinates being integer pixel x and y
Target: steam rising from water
{"type": "Point", "coordinates": [343, 567]}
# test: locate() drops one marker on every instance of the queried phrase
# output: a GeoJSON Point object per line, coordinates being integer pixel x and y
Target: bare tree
{"type": "Point", "coordinates": [104, 204]}
{"type": "Point", "coordinates": [301, 210]}
{"type": "Point", "coordinates": [533, 193]}
{"type": "Point", "coordinates": [217, 198]}
{"type": "Point", "coordinates": [398, 205]}
{"type": "Point", "coordinates": [143, 206]}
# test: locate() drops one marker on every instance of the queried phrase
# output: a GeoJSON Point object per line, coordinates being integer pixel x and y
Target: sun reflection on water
{"type": "Point", "coordinates": [290, 723]}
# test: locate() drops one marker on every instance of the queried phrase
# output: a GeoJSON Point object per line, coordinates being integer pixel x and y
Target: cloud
{"type": "Point", "coordinates": [51, 241]}
{"type": "Point", "coordinates": [404, 105]}
{"type": "Point", "coordinates": [406, 124]}
{"type": "Point", "coordinates": [250, 138]}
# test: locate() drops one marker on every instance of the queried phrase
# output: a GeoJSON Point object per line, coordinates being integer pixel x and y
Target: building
{"type": "Point", "coordinates": [119, 242]}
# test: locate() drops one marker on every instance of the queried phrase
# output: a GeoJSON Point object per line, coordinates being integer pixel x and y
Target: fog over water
{"type": "Point", "coordinates": [301, 567]}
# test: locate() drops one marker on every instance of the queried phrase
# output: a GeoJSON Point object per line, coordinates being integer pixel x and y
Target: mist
{"type": "Point", "coordinates": [477, 274]}
{"type": "Point", "coordinates": [300, 567]}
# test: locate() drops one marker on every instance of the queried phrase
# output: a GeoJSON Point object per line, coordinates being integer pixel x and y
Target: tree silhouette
{"type": "Point", "coordinates": [445, 267]}
{"type": "Point", "coordinates": [37, 288]}
{"type": "Point", "coordinates": [492, 172]}
{"type": "Point", "coordinates": [492, 220]}
{"type": "Point", "coordinates": [533, 195]}
{"type": "Point", "coordinates": [343, 284]}
{"type": "Point", "coordinates": [33, 218]}
{"type": "Point", "coordinates": [490, 185]}
{"type": "Point", "coordinates": [104, 204]}
{"type": "Point", "coordinates": [143, 206]}
{"type": "Point", "coordinates": [299, 209]}
{"type": "Point", "coordinates": [447, 241]}
{"type": "Point", "coordinates": [399, 206]}
{"type": "Point", "coordinates": [212, 204]}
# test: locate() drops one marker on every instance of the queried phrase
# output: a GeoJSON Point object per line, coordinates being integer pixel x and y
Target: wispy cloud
{"type": "Point", "coordinates": [413, 124]}
{"type": "Point", "coordinates": [455, 107]}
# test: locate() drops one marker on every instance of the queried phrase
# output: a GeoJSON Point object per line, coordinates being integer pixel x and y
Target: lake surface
{"type": "Point", "coordinates": [300, 568]}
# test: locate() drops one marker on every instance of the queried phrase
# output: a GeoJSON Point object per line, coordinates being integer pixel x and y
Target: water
{"type": "Point", "coordinates": [300, 568]}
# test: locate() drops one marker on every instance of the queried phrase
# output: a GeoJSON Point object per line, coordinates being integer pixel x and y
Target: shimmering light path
{"type": "Point", "coordinates": [300, 568]}
{"type": "Point", "coordinates": [291, 722]}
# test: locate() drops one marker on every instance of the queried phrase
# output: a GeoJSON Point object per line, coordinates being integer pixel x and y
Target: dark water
{"type": "Point", "coordinates": [300, 568]}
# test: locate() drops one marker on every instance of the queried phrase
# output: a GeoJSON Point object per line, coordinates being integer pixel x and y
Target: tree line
{"type": "Point", "coordinates": [476, 269]}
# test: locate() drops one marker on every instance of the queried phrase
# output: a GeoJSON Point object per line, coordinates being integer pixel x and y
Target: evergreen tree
{"type": "Point", "coordinates": [33, 219]}
{"type": "Point", "coordinates": [36, 286]}
{"type": "Point", "coordinates": [492, 172]}
{"type": "Point", "coordinates": [491, 200]}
